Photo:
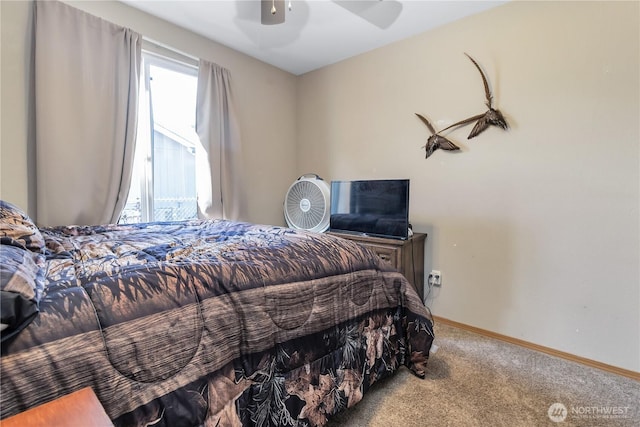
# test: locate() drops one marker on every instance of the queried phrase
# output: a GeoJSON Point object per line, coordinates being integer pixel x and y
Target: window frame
{"type": "Point", "coordinates": [145, 144]}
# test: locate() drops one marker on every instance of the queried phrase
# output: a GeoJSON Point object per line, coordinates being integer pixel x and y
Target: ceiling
{"type": "Point", "coordinates": [315, 32]}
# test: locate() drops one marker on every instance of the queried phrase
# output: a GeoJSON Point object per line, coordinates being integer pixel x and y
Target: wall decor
{"type": "Point", "coordinates": [436, 141]}
{"type": "Point", "coordinates": [484, 120]}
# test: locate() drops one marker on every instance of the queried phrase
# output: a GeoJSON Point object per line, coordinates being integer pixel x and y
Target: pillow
{"type": "Point", "coordinates": [17, 229]}
{"type": "Point", "coordinates": [21, 287]}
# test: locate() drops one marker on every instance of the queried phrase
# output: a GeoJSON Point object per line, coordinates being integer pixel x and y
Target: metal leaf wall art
{"type": "Point", "coordinates": [491, 117]}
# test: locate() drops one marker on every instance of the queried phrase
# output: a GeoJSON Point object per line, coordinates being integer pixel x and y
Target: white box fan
{"type": "Point", "coordinates": [306, 205]}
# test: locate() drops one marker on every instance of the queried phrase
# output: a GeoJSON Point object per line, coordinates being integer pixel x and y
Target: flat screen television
{"type": "Point", "coordinates": [377, 208]}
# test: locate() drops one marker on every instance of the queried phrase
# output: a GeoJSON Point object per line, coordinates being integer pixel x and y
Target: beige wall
{"type": "Point", "coordinates": [535, 230]}
{"type": "Point", "coordinates": [15, 25]}
{"type": "Point", "coordinates": [264, 98]}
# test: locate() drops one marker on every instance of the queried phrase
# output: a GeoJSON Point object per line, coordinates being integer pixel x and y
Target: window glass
{"type": "Point", "coordinates": [163, 181]}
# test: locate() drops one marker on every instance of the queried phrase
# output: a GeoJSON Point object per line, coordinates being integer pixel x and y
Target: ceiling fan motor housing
{"type": "Point", "coordinates": [271, 12]}
{"type": "Point", "coordinates": [306, 205]}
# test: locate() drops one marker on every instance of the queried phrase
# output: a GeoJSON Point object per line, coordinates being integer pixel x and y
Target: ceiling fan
{"type": "Point", "coordinates": [272, 11]}
{"type": "Point", "coordinates": [381, 13]}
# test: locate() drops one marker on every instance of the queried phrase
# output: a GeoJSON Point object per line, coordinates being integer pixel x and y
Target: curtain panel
{"type": "Point", "coordinates": [86, 93]}
{"type": "Point", "coordinates": [219, 173]}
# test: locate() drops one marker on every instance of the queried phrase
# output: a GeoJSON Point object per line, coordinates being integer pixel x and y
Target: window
{"type": "Point", "coordinates": [163, 185]}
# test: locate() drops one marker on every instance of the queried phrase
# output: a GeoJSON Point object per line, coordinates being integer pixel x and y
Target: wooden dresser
{"type": "Point", "coordinates": [78, 409]}
{"type": "Point", "coordinates": [407, 256]}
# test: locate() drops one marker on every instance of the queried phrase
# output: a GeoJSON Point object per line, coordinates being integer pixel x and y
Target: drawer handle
{"type": "Point", "coordinates": [384, 257]}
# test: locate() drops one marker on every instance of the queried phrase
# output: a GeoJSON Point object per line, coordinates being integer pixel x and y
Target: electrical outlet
{"type": "Point", "coordinates": [435, 278]}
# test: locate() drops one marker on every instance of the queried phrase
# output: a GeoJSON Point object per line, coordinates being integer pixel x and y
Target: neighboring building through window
{"type": "Point", "coordinates": [163, 186]}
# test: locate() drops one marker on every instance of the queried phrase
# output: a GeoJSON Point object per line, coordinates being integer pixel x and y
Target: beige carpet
{"type": "Point", "coordinates": [478, 381]}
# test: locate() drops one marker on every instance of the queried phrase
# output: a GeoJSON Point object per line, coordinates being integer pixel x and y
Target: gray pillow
{"type": "Point", "coordinates": [21, 287]}
{"type": "Point", "coordinates": [17, 229]}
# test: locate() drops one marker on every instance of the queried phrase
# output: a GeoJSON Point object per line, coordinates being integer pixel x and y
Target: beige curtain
{"type": "Point", "coordinates": [86, 94]}
{"type": "Point", "coordinates": [219, 182]}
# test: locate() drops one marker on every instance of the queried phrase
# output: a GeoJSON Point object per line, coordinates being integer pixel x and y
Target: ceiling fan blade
{"type": "Point", "coordinates": [381, 13]}
{"type": "Point", "coordinates": [266, 15]}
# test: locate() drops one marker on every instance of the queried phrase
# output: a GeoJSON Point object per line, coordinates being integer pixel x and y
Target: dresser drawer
{"type": "Point", "coordinates": [406, 256]}
{"type": "Point", "coordinates": [388, 254]}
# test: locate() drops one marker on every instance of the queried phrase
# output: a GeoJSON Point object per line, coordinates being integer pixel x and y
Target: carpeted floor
{"type": "Point", "coordinates": [473, 380]}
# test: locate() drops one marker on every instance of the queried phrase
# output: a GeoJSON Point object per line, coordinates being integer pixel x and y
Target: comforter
{"type": "Point", "coordinates": [208, 322]}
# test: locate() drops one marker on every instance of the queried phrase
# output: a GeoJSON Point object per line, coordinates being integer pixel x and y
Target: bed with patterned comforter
{"type": "Point", "coordinates": [206, 322]}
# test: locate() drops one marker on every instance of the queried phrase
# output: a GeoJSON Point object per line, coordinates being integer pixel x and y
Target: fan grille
{"type": "Point", "coordinates": [305, 205]}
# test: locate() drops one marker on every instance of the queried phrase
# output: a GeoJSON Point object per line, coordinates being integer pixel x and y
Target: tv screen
{"type": "Point", "coordinates": [377, 208]}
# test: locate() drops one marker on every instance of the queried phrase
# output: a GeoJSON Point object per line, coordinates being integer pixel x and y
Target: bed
{"type": "Point", "coordinates": [204, 322]}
